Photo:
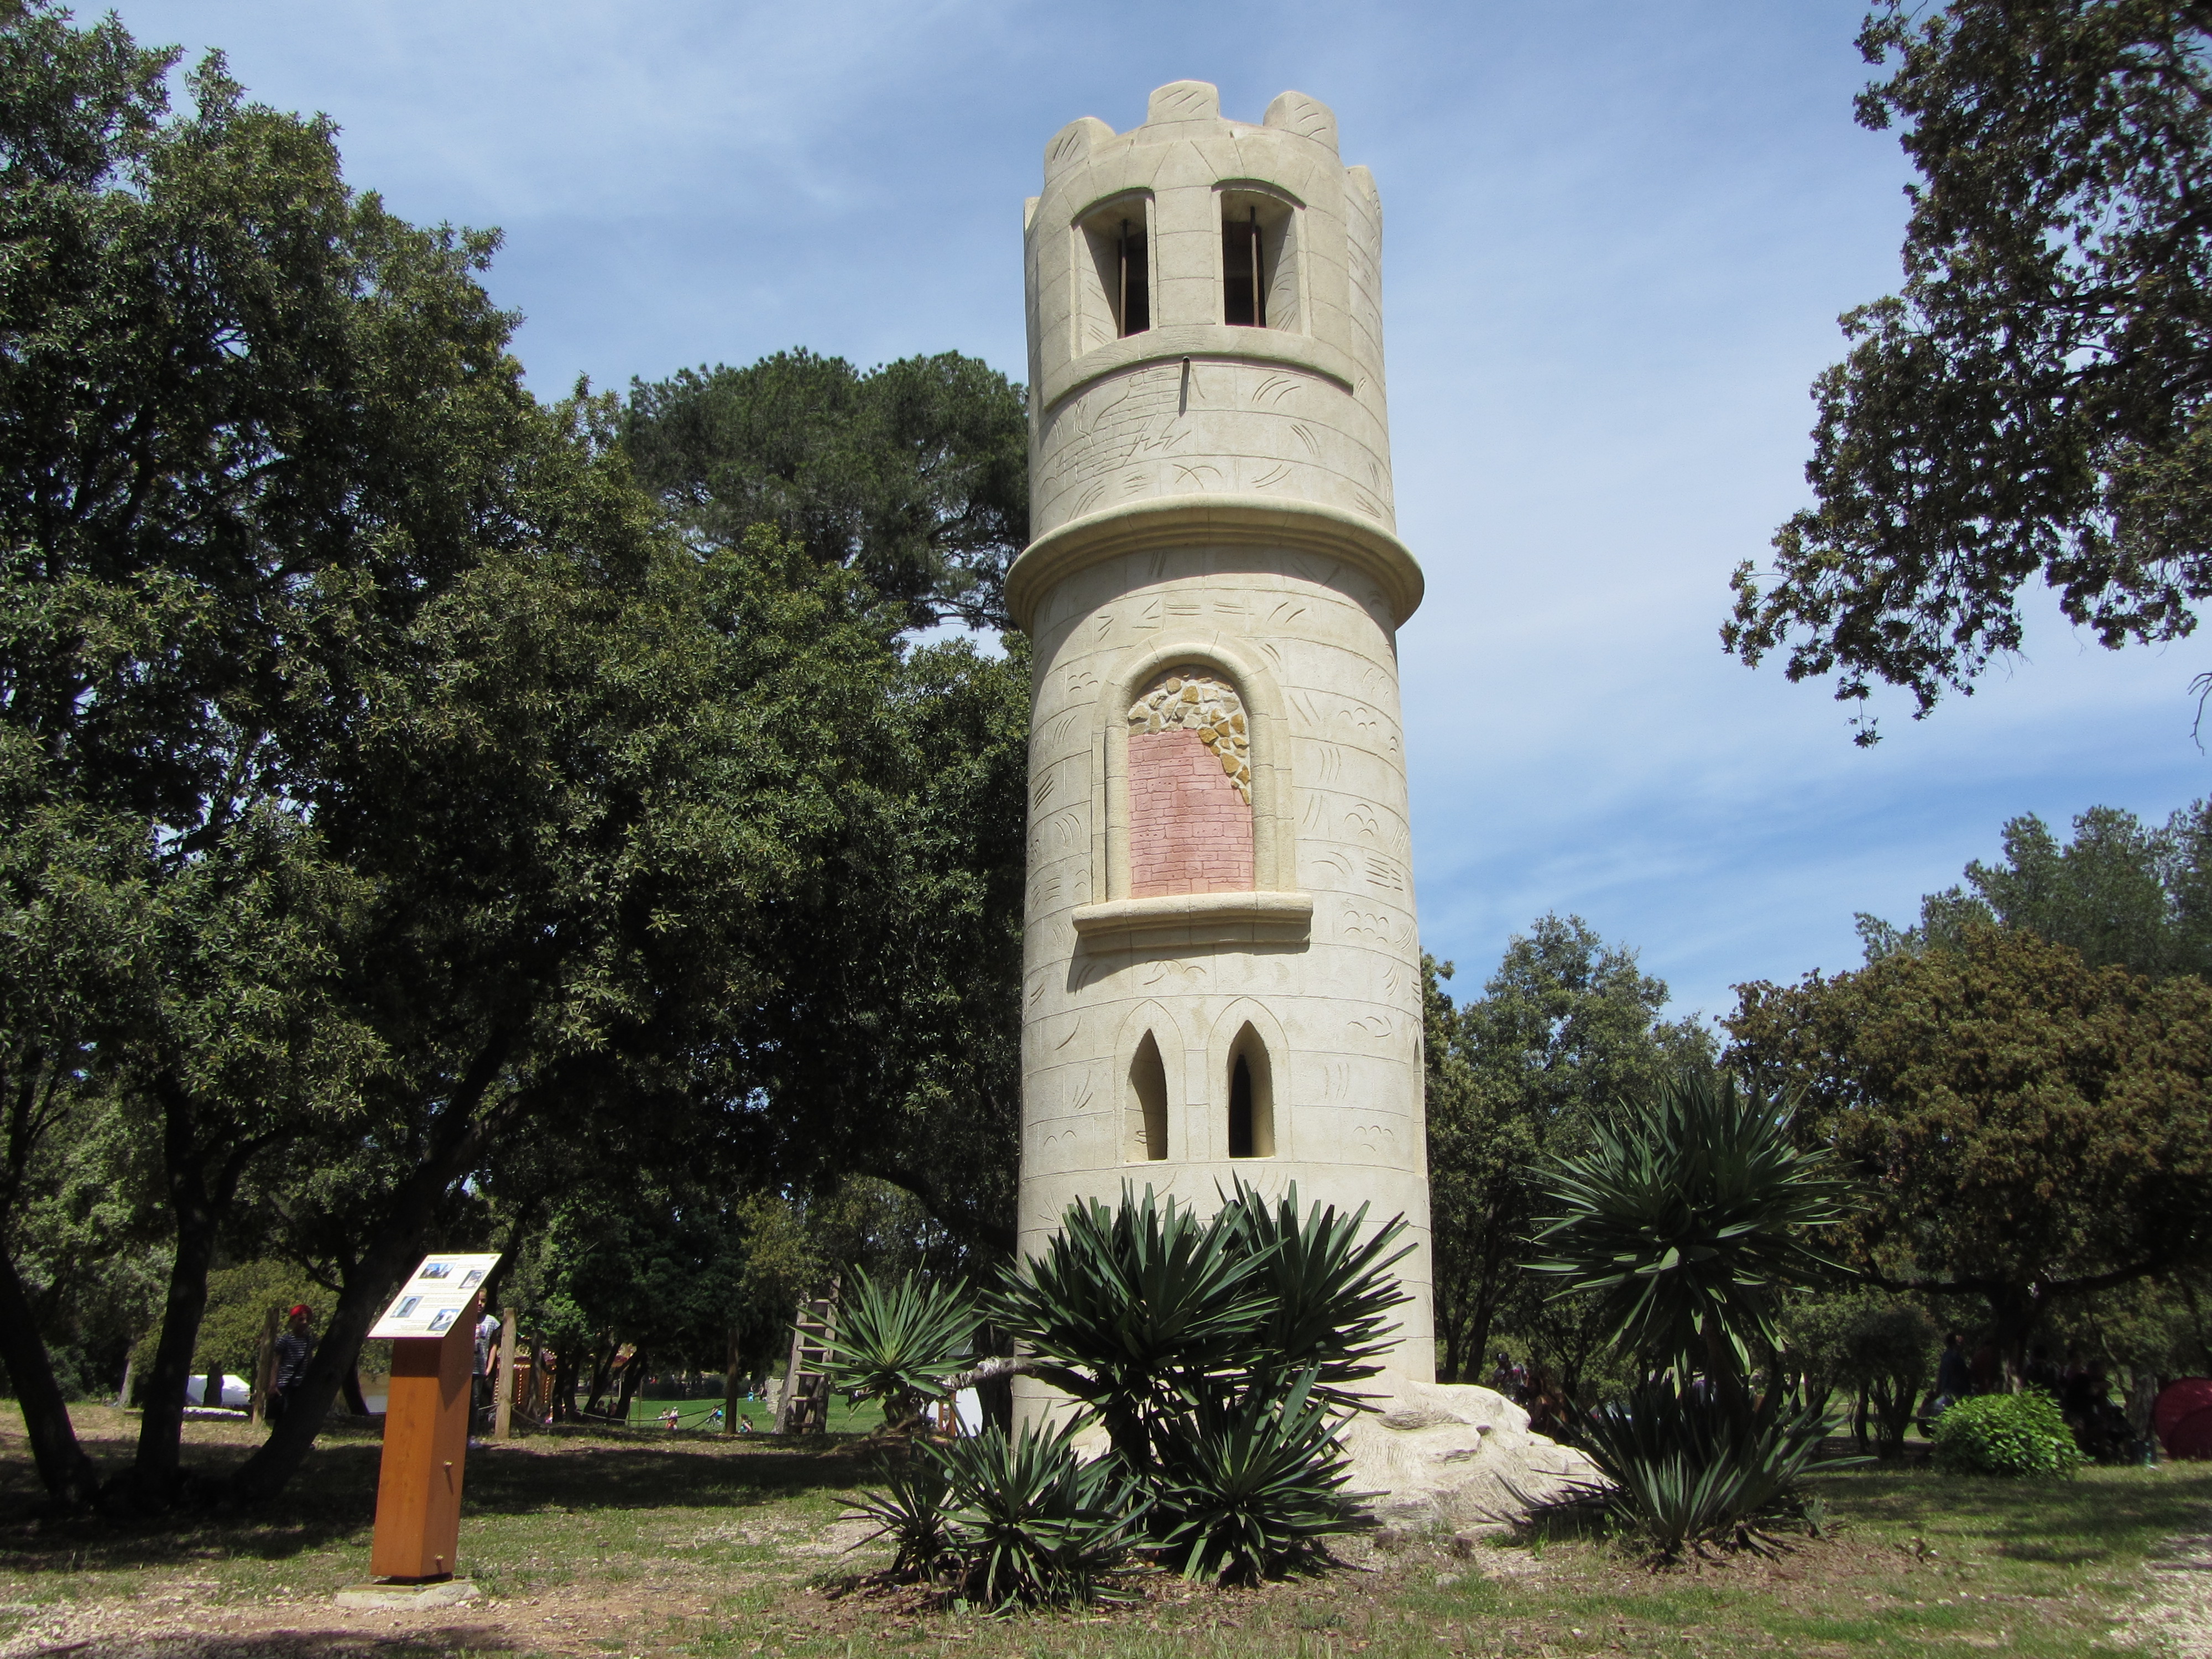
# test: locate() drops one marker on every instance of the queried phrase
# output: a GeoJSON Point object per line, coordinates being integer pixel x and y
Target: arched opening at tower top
{"type": "Point", "coordinates": [1190, 787]}
{"type": "Point", "coordinates": [1147, 1137]}
{"type": "Point", "coordinates": [1251, 1097]}
{"type": "Point", "coordinates": [1259, 261]}
{"type": "Point", "coordinates": [1114, 272]}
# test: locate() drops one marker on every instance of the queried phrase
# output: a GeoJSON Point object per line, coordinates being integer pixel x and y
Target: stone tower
{"type": "Point", "coordinates": [1222, 976]}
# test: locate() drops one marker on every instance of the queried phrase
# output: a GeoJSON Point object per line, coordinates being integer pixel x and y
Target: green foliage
{"type": "Point", "coordinates": [1216, 1352]}
{"type": "Point", "coordinates": [1033, 1519]}
{"type": "Point", "coordinates": [1685, 1215]}
{"type": "Point", "coordinates": [915, 474]}
{"type": "Point", "coordinates": [1142, 1310]}
{"type": "Point", "coordinates": [898, 1342]}
{"type": "Point", "coordinates": [2121, 892]}
{"type": "Point", "coordinates": [2027, 1128]}
{"type": "Point", "coordinates": [1564, 1027]}
{"type": "Point", "coordinates": [1327, 1293]}
{"type": "Point", "coordinates": [1129, 1308]}
{"type": "Point", "coordinates": [2032, 402]}
{"type": "Point", "coordinates": [2006, 1434]}
{"type": "Point", "coordinates": [1687, 1470]}
{"type": "Point", "coordinates": [911, 1511]}
{"type": "Point", "coordinates": [238, 1300]}
{"type": "Point", "coordinates": [1866, 1340]}
{"type": "Point", "coordinates": [1240, 1487]}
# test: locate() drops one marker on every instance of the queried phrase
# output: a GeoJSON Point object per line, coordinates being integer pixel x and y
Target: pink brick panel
{"type": "Point", "coordinates": [1189, 830]}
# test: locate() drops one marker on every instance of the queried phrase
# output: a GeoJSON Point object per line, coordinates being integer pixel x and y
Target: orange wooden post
{"type": "Point", "coordinates": [426, 1440]}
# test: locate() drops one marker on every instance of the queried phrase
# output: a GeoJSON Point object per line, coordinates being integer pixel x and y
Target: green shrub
{"type": "Point", "coordinates": [1031, 1519]}
{"type": "Point", "coordinates": [1215, 1352]}
{"type": "Point", "coordinates": [1688, 1471]}
{"type": "Point", "coordinates": [2006, 1434]}
{"type": "Point", "coordinates": [1243, 1488]}
{"type": "Point", "coordinates": [910, 1513]}
{"type": "Point", "coordinates": [899, 1342]}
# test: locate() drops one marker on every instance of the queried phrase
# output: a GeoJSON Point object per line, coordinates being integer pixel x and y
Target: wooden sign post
{"type": "Point", "coordinates": [426, 1440]}
{"type": "Point", "coordinates": [432, 1326]}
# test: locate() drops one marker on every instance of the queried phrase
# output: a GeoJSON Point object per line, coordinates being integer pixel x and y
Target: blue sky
{"type": "Point", "coordinates": [1617, 237]}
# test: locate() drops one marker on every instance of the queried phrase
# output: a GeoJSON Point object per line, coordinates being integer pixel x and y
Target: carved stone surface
{"type": "Point", "coordinates": [1215, 583]}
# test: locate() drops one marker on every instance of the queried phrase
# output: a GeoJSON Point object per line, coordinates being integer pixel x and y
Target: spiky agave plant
{"type": "Point", "coordinates": [1244, 1485]}
{"type": "Point", "coordinates": [1329, 1292]}
{"type": "Point", "coordinates": [1130, 1309]}
{"type": "Point", "coordinates": [1687, 1467]}
{"type": "Point", "coordinates": [898, 1342]}
{"type": "Point", "coordinates": [1685, 1218]}
{"type": "Point", "coordinates": [1033, 1521]}
{"type": "Point", "coordinates": [910, 1512]}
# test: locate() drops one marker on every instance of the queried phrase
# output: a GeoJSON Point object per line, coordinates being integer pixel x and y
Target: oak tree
{"type": "Point", "coordinates": [2027, 1129]}
{"type": "Point", "coordinates": [2036, 401]}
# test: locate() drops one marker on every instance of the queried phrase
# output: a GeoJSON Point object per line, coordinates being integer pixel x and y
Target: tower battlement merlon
{"type": "Point", "coordinates": [1205, 323]}
{"type": "Point", "coordinates": [1221, 966]}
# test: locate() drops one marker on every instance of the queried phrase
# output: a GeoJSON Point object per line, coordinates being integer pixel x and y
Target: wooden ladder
{"type": "Point", "coordinates": [804, 1408]}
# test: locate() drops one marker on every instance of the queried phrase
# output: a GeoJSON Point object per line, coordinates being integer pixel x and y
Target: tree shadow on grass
{"type": "Point", "coordinates": [2096, 1518]}
{"type": "Point", "coordinates": [333, 1498]}
{"type": "Point", "coordinates": [302, 1644]}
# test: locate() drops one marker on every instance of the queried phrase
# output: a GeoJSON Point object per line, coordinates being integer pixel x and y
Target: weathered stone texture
{"type": "Point", "coordinates": [1219, 848]}
{"type": "Point", "coordinates": [1190, 830]}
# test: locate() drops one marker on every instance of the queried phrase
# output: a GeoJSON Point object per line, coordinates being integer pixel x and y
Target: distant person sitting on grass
{"type": "Point", "coordinates": [669, 1419]}
{"type": "Point", "coordinates": [294, 1349]}
{"type": "Point", "coordinates": [744, 1424]}
{"type": "Point", "coordinates": [1953, 1383]}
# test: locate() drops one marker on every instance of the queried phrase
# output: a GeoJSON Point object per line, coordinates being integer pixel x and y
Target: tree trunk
{"type": "Point", "coordinates": [730, 1385]}
{"type": "Point", "coordinates": [564, 1386]}
{"type": "Point", "coordinates": [633, 1374]}
{"type": "Point", "coordinates": [265, 1366]}
{"type": "Point", "coordinates": [70, 1476]}
{"type": "Point", "coordinates": [350, 1387]}
{"type": "Point", "coordinates": [154, 1475]}
{"type": "Point", "coordinates": [391, 1252]}
{"type": "Point", "coordinates": [603, 1373]}
{"type": "Point", "coordinates": [2015, 1310]}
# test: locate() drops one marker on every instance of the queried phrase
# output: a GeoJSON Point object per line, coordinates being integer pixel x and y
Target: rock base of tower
{"type": "Point", "coordinates": [1453, 1455]}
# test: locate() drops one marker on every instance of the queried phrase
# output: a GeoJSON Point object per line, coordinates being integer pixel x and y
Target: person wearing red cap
{"type": "Point", "coordinates": [293, 1350]}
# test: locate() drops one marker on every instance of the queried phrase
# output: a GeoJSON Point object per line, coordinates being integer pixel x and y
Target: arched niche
{"type": "Point", "coordinates": [1190, 784]}
{"type": "Point", "coordinates": [1263, 761]}
{"type": "Point", "coordinates": [1145, 1118]}
{"type": "Point", "coordinates": [1251, 1097]}
{"type": "Point", "coordinates": [1149, 1056]}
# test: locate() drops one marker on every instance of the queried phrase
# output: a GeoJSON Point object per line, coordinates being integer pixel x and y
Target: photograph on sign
{"type": "Point", "coordinates": [435, 1295]}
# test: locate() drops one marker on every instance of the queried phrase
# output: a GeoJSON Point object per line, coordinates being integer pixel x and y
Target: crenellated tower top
{"type": "Point", "coordinates": [1206, 343]}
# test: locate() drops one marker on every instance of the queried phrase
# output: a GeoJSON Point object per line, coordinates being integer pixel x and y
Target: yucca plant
{"type": "Point", "coordinates": [1686, 1217]}
{"type": "Point", "coordinates": [1130, 1309]}
{"type": "Point", "coordinates": [1688, 1468]}
{"type": "Point", "coordinates": [910, 1512]}
{"type": "Point", "coordinates": [1328, 1293]}
{"type": "Point", "coordinates": [1033, 1521]}
{"type": "Point", "coordinates": [898, 1342]}
{"type": "Point", "coordinates": [1240, 1487]}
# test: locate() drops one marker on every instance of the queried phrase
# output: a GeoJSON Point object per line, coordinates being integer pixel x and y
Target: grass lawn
{"type": "Point", "coordinates": [644, 1541]}
{"type": "Point", "coordinates": [845, 1417]}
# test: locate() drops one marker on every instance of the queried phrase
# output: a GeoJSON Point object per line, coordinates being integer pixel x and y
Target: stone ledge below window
{"type": "Point", "coordinates": [1178, 919]}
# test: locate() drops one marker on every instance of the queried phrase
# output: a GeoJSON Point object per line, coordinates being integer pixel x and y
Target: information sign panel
{"type": "Point", "coordinates": [436, 1294]}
